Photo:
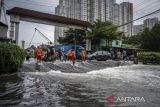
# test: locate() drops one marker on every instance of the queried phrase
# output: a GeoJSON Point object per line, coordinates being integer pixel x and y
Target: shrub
{"type": "Point", "coordinates": [150, 57]}
{"type": "Point", "coordinates": [11, 58]}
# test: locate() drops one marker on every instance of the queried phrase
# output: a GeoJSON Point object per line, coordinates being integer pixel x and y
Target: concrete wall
{"type": "Point", "coordinates": [3, 32]}
{"type": "Point", "coordinates": [116, 43]}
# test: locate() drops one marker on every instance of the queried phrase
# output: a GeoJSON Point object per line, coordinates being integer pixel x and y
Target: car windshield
{"type": "Point", "coordinates": [97, 53]}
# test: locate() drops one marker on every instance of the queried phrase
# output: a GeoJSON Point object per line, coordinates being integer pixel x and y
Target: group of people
{"type": "Point", "coordinates": [122, 54]}
{"type": "Point", "coordinates": [52, 55]}
{"type": "Point", "coordinates": [119, 54]}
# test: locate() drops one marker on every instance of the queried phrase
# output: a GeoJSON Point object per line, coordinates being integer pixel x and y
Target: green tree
{"type": "Point", "coordinates": [151, 38]}
{"type": "Point", "coordinates": [133, 40]}
{"type": "Point", "coordinates": [103, 30]}
{"type": "Point", "coordinates": [145, 36]}
{"type": "Point", "coordinates": [72, 36]}
{"type": "Point", "coordinates": [11, 58]}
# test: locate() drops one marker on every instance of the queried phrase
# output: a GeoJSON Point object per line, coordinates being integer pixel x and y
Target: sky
{"type": "Point", "coordinates": [26, 31]}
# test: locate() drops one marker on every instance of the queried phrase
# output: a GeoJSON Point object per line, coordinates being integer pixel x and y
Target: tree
{"type": "Point", "coordinates": [103, 30]}
{"type": "Point", "coordinates": [73, 36]}
{"type": "Point", "coordinates": [151, 38]}
{"type": "Point", "coordinates": [145, 36]}
{"type": "Point", "coordinates": [133, 40]}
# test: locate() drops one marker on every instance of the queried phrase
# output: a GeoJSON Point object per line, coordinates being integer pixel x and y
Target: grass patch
{"type": "Point", "coordinates": [129, 46]}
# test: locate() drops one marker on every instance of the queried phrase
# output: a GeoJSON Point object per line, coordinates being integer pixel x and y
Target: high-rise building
{"type": "Point", "coordinates": [126, 16]}
{"type": "Point", "coordinates": [87, 10]}
{"type": "Point", "coordinates": [84, 11]}
{"type": "Point", "coordinates": [138, 29]}
{"type": "Point", "coordinates": [108, 10]}
{"type": "Point", "coordinates": [67, 8]}
{"type": "Point", "coordinates": [150, 22]}
{"type": "Point", "coordinates": [91, 10]}
{"type": "Point", "coordinates": [101, 9]}
{"type": "Point", "coordinates": [116, 14]}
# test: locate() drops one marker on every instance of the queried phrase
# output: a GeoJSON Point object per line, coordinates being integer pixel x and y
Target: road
{"type": "Point", "coordinates": [87, 85]}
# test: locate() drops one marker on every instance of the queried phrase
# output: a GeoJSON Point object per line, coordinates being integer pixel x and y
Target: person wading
{"type": "Point", "coordinates": [39, 54]}
{"type": "Point", "coordinates": [83, 55]}
{"type": "Point", "coordinates": [71, 55]}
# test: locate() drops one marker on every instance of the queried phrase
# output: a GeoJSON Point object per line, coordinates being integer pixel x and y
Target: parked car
{"type": "Point", "coordinates": [100, 56]}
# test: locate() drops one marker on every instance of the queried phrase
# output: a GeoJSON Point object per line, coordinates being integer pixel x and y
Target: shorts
{"type": "Point", "coordinates": [83, 58]}
{"type": "Point", "coordinates": [39, 57]}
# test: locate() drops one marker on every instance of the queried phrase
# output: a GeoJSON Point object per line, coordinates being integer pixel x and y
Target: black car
{"type": "Point", "coordinates": [99, 56]}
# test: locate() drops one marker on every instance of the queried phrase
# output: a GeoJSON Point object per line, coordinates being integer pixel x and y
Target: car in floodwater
{"type": "Point", "coordinates": [99, 56]}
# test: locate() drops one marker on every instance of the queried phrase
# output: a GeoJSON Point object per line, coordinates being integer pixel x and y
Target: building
{"type": "Point", "coordinates": [116, 14]}
{"type": "Point", "coordinates": [87, 10]}
{"type": "Point", "coordinates": [3, 30]}
{"type": "Point", "coordinates": [67, 8]}
{"type": "Point", "coordinates": [3, 26]}
{"type": "Point", "coordinates": [100, 9]}
{"type": "Point", "coordinates": [91, 10]}
{"type": "Point", "coordinates": [108, 10]}
{"type": "Point", "coordinates": [138, 29]}
{"type": "Point", "coordinates": [150, 22]}
{"type": "Point", "coordinates": [126, 16]}
{"type": "Point", "coordinates": [84, 11]}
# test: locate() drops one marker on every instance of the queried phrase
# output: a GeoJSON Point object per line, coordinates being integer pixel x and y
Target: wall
{"type": "Point", "coordinates": [3, 32]}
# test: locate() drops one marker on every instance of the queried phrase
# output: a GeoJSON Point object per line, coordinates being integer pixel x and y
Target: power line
{"type": "Point", "coordinates": [118, 21]}
{"type": "Point", "coordinates": [155, 12]}
{"type": "Point", "coordinates": [149, 7]}
{"type": "Point", "coordinates": [137, 11]}
{"type": "Point", "coordinates": [140, 3]}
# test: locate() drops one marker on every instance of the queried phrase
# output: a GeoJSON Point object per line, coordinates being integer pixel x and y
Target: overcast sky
{"type": "Point", "coordinates": [141, 7]}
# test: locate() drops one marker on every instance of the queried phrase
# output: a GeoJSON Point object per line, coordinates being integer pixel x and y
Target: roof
{"type": "Point", "coordinates": [46, 16]}
{"type": "Point", "coordinates": [5, 39]}
{"type": "Point", "coordinates": [2, 24]}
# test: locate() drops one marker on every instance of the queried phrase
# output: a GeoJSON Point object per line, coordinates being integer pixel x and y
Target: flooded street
{"type": "Point", "coordinates": [61, 88]}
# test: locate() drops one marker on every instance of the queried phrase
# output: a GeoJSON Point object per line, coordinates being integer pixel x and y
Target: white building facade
{"type": "Point", "coordinates": [116, 14]}
{"type": "Point", "coordinates": [126, 16]}
{"type": "Point", "coordinates": [66, 8]}
{"type": "Point", "coordinates": [150, 22]}
{"type": "Point", "coordinates": [138, 29]}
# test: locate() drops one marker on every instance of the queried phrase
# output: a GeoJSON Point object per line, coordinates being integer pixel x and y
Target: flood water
{"type": "Point", "coordinates": [56, 88]}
